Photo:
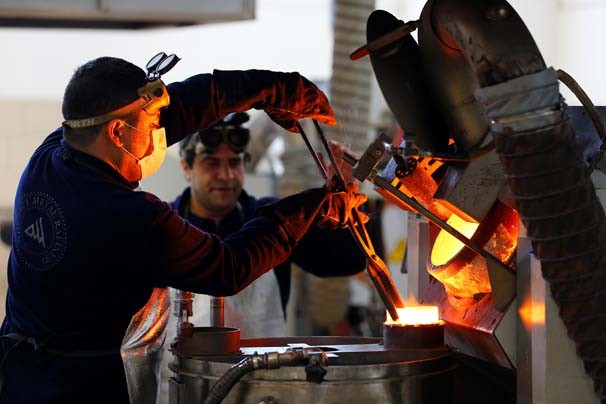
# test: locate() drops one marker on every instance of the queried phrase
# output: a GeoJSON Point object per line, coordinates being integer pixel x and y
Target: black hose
{"type": "Point", "coordinates": [223, 386]}
{"type": "Point", "coordinates": [578, 91]}
{"type": "Point", "coordinates": [269, 360]}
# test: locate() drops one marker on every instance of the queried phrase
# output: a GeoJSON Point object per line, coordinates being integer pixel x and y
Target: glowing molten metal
{"type": "Point", "coordinates": [464, 273]}
{"type": "Point", "coordinates": [448, 245]}
{"type": "Point", "coordinates": [415, 315]}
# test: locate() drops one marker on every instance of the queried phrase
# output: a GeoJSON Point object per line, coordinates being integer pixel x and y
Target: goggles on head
{"type": "Point", "coordinates": [227, 131]}
{"type": "Point", "coordinates": [153, 96]}
{"type": "Point", "coordinates": [236, 137]}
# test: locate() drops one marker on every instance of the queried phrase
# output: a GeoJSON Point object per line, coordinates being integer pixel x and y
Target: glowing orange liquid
{"type": "Point", "coordinates": [415, 315]}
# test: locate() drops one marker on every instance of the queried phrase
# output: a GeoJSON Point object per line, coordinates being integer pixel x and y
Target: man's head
{"type": "Point", "coordinates": [213, 163]}
{"type": "Point", "coordinates": [96, 88]}
{"type": "Point", "coordinates": [111, 108]}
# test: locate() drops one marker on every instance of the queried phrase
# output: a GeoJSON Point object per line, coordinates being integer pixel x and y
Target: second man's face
{"type": "Point", "coordinates": [216, 181]}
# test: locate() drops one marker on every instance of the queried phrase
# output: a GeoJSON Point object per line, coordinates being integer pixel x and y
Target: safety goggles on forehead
{"type": "Point", "coordinates": [236, 137]}
{"type": "Point", "coordinates": [153, 96]}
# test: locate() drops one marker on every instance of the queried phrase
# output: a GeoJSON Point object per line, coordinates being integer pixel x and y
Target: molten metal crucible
{"type": "Point", "coordinates": [447, 245]}
{"type": "Point", "coordinates": [417, 327]}
{"type": "Point", "coordinates": [464, 274]}
{"type": "Point", "coordinates": [415, 315]}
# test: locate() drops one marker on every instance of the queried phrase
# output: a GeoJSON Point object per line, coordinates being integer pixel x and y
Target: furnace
{"type": "Point", "coordinates": [495, 163]}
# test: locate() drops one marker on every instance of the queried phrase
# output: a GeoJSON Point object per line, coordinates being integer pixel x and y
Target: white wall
{"type": "Point", "coordinates": [293, 35]}
{"type": "Point", "coordinates": [24, 124]}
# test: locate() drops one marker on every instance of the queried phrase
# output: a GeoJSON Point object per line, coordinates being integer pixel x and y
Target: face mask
{"type": "Point", "coordinates": [150, 164]}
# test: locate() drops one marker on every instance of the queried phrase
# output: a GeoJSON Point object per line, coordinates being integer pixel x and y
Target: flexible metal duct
{"type": "Point", "coordinates": [545, 168]}
{"type": "Point", "coordinates": [327, 298]}
{"type": "Point", "coordinates": [350, 82]}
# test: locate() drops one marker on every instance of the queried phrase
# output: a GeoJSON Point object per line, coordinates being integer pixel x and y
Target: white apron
{"type": "Point", "coordinates": [256, 311]}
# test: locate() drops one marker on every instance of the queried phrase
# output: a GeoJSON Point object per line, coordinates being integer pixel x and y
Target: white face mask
{"type": "Point", "coordinates": [150, 164]}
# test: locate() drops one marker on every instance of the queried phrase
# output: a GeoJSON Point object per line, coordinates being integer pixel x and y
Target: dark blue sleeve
{"type": "Point", "coordinates": [203, 99]}
{"type": "Point", "coordinates": [328, 252]}
{"type": "Point", "coordinates": [187, 258]}
{"type": "Point", "coordinates": [324, 252]}
{"type": "Point", "coordinates": [193, 106]}
{"type": "Point", "coordinates": [182, 256]}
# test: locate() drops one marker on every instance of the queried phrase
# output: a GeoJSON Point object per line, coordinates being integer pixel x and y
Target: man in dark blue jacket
{"type": "Point", "coordinates": [88, 250]}
{"type": "Point", "coordinates": [213, 162]}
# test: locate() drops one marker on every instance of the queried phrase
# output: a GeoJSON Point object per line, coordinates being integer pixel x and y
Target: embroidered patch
{"type": "Point", "coordinates": [42, 234]}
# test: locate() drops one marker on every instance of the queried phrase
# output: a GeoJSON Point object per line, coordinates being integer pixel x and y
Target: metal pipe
{"type": "Point", "coordinates": [311, 149]}
{"type": "Point", "coordinates": [183, 309]}
{"type": "Point", "coordinates": [217, 311]}
{"type": "Point", "coordinates": [331, 156]}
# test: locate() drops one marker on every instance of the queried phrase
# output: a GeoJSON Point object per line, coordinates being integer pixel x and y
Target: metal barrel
{"type": "Point", "coordinates": [359, 371]}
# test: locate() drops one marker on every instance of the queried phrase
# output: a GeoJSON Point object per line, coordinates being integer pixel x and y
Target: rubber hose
{"type": "Point", "coordinates": [224, 385]}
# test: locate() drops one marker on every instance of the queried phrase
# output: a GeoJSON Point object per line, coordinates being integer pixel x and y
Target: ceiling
{"type": "Point", "coordinates": [121, 14]}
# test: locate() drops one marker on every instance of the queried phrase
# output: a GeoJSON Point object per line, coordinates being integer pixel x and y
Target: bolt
{"type": "Point", "coordinates": [497, 13]}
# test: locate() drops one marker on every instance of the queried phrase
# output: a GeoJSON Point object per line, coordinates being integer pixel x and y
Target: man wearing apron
{"type": "Point", "coordinates": [213, 162]}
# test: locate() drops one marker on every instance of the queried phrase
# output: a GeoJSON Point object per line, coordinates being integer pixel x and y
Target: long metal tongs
{"type": "Point", "coordinates": [377, 270]}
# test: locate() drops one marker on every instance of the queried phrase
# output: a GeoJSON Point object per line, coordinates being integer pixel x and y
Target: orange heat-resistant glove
{"type": "Point", "coordinates": [285, 97]}
{"type": "Point", "coordinates": [298, 212]}
{"type": "Point", "coordinates": [338, 207]}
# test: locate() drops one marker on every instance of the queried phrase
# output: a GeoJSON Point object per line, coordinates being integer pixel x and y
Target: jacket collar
{"type": "Point", "coordinates": [94, 164]}
{"type": "Point", "coordinates": [231, 223]}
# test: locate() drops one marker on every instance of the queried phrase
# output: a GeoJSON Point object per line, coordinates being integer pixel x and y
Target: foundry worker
{"type": "Point", "coordinates": [89, 248]}
{"type": "Point", "coordinates": [213, 163]}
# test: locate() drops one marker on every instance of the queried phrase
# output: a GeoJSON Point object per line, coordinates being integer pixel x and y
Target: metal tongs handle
{"type": "Point", "coordinates": [377, 270]}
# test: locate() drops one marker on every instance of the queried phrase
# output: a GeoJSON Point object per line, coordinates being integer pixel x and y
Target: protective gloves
{"type": "Point", "coordinates": [315, 206]}
{"type": "Point", "coordinates": [285, 97]}
{"type": "Point", "coordinates": [337, 210]}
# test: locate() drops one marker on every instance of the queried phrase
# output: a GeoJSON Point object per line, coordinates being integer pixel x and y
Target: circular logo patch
{"type": "Point", "coordinates": [42, 234]}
